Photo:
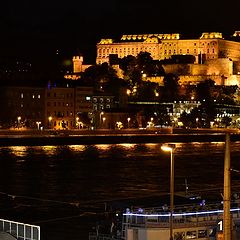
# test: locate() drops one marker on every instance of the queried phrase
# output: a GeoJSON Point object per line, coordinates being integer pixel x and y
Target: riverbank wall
{"type": "Point", "coordinates": [104, 138]}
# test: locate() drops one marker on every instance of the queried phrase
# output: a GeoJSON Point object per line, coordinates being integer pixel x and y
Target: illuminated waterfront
{"type": "Point", "coordinates": [61, 188]}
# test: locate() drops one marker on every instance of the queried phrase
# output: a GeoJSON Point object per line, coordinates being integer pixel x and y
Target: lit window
{"type": "Point", "coordinates": [33, 96]}
{"type": "Point", "coordinates": [21, 95]}
{"type": "Point", "coordinates": [39, 96]}
{"type": "Point", "coordinates": [88, 98]}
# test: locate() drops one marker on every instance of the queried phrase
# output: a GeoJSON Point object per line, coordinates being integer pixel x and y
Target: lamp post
{"type": "Point", "coordinates": [18, 121]}
{"type": "Point", "coordinates": [101, 114]}
{"type": "Point", "coordinates": [77, 122]}
{"type": "Point", "coordinates": [38, 124]}
{"type": "Point", "coordinates": [170, 148]}
{"type": "Point", "coordinates": [197, 122]}
{"type": "Point", "coordinates": [104, 119]}
{"type": "Point", "coordinates": [128, 119]}
{"type": "Point", "coordinates": [50, 121]}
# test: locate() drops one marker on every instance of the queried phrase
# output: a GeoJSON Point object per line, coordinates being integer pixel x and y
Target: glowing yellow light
{"type": "Point", "coordinates": [168, 148]}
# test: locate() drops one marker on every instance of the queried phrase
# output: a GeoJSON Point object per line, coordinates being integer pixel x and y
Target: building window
{"type": "Point", "coordinates": [88, 98]}
{"type": "Point", "coordinates": [107, 106]}
{"type": "Point", "coordinates": [39, 96]}
{"type": "Point", "coordinates": [33, 96]}
{"type": "Point", "coordinates": [21, 95]}
{"type": "Point", "coordinates": [187, 50]}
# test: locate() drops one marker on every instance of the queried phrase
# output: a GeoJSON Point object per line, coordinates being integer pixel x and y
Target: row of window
{"type": "Point", "coordinates": [33, 96]}
{"type": "Point", "coordinates": [61, 114]}
{"type": "Point", "coordinates": [67, 95]}
{"type": "Point", "coordinates": [62, 123]}
{"type": "Point", "coordinates": [101, 100]}
{"type": "Point", "coordinates": [120, 50]}
{"type": "Point", "coordinates": [100, 107]}
{"type": "Point", "coordinates": [169, 52]}
{"type": "Point", "coordinates": [59, 104]}
{"type": "Point", "coordinates": [198, 234]}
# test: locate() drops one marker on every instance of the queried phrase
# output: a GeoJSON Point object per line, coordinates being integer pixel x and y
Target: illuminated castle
{"type": "Point", "coordinates": [211, 45]}
{"type": "Point", "coordinates": [215, 56]}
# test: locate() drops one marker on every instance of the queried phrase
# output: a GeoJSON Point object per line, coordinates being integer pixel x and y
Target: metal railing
{"type": "Point", "coordinates": [19, 230]}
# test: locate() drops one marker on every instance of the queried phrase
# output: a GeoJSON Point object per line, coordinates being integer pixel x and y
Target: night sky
{"type": "Point", "coordinates": [35, 30]}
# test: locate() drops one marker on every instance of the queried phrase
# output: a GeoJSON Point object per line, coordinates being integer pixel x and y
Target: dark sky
{"type": "Point", "coordinates": [34, 30]}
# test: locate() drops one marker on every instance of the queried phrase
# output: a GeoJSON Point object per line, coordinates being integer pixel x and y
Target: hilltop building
{"type": "Point", "coordinates": [162, 46]}
{"type": "Point", "coordinates": [215, 56]}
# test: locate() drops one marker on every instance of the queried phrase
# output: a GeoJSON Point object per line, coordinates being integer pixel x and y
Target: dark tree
{"type": "Point", "coordinates": [204, 90]}
{"type": "Point", "coordinates": [171, 87]}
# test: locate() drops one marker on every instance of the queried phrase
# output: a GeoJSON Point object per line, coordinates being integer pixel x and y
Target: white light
{"type": "Point", "coordinates": [178, 214]}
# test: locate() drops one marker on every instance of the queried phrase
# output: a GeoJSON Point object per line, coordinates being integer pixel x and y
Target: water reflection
{"type": "Point", "coordinates": [94, 174]}
{"type": "Point", "coordinates": [18, 151]}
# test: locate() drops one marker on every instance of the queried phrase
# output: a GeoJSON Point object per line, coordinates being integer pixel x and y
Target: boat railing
{"type": "Point", "coordinates": [200, 218]}
{"type": "Point", "coordinates": [95, 236]}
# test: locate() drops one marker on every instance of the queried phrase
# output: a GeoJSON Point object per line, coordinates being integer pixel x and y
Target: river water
{"type": "Point", "coordinates": [61, 188]}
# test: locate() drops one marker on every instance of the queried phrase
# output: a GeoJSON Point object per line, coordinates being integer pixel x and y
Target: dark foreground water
{"type": "Point", "coordinates": [62, 188]}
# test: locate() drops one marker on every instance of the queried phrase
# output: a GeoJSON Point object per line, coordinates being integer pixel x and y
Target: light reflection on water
{"type": "Point", "coordinates": [94, 174]}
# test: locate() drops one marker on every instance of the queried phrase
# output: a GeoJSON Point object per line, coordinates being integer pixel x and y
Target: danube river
{"type": "Point", "coordinates": [61, 188]}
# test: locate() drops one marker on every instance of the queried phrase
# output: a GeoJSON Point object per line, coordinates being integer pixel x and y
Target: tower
{"type": "Point", "coordinates": [77, 64]}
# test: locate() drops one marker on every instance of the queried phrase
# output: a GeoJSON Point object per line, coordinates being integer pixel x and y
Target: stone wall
{"type": "Point", "coordinates": [220, 66]}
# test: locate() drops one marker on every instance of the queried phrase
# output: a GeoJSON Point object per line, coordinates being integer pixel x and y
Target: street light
{"type": "Point", "coordinates": [77, 122]}
{"type": "Point", "coordinates": [18, 121]}
{"type": "Point", "coordinates": [103, 120]}
{"type": "Point", "coordinates": [197, 122]}
{"type": "Point", "coordinates": [101, 113]}
{"type": "Point", "coordinates": [128, 119]}
{"type": "Point", "coordinates": [50, 121]}
{"type": "Point", "coordinates": [170, 148]}
{"type": "Point", "coordinates": [38, 124]}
